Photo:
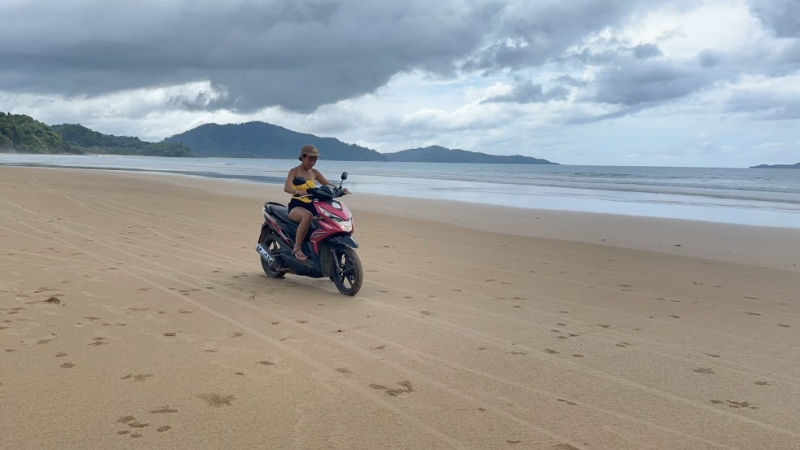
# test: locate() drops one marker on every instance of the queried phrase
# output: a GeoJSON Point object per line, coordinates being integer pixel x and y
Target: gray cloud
{"type": "Point", "coordinates": [781, 16]}
{"type": "Point", "coordinates": [765, 105]}
{"type": "Point", "coordinates": [633, 82]}
{"type": "Point", "coordinates": [531, 33]}
{"type": "Point", "coordinates": [297, 54]}
{"type": "Point", "coordinates": [306, 53]}
{"type": "Point", "coordinates": [644, 51]}
{"type": "Point", "coordinates": [528, 92]}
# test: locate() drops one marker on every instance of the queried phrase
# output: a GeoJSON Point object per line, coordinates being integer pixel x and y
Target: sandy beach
{"type": "Point", "coordinates": [134, 314]}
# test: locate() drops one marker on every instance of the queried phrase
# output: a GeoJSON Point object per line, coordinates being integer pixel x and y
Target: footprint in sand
{"type": "Point", "coordinates": [217, 400]}
{"type": "Point", "coordinates": [163, 410]}
{"type": "Point", "coordinates": [68, 365]}
{"type": "Point", "coordinates": [734, 404]}
{"type": "Point", "coordinates": [140, 377]}
{"type": "Point", "coordinates": [163, 428]}
{"type": "Point", "coordinates": [704, 370]}
{"type": "Point", "coordinates": [395, 392]}
{"type": "Point", "coordinates": [98, 341]}
{"type": "Point", "coordinates": [343, 370]}
{"type": "Point", "coordinates": [762, 383]}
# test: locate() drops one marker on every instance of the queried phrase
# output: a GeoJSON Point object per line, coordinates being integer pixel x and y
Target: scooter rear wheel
{"type": "Point", "coordinates": [271, 245]}
{"type": "Point", "coordinates": [348, 274]}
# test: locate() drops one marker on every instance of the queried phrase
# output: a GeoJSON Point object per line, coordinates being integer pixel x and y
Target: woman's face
{"type": "Point", "coordinates": [309, 161]}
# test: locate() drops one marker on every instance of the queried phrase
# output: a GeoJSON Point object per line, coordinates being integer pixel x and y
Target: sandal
{"type": "Point", "coordinates": [299, 255]}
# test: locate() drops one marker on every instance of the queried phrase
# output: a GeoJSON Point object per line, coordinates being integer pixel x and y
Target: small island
{"type": "Point", "coordinates": [437, 154]}
{"type": "Point", "coordinates": [776, 166]}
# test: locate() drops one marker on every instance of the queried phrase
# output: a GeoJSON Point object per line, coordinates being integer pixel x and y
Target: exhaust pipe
{"type": "Point", "coordinates": [265, 255]}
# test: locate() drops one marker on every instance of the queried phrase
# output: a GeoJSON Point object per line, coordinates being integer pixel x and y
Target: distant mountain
{"type": "Point", "coordinates": [90, 141]}
{"type": "Point", "coordinates": [436, 154]}
{"type": "Point", "coordinates": [21, 133]}
{"type": "Point", "coordinates": [264, 140]}
{"type": "Point", "coordinates": [777, 166]}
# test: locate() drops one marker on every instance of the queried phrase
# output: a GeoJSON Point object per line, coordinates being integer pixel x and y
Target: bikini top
{"type": "Point", "coordinates": [307, 185]}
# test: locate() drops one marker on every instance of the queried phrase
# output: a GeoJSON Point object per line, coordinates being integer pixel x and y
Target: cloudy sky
{"type": "Point", "coordinates": [620, 82]}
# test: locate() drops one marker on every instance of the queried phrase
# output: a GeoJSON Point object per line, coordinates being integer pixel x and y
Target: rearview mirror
{"type": "Point", "coordinates": [298, 181]}
{"type": "Point", "coordinates": [344, 175]}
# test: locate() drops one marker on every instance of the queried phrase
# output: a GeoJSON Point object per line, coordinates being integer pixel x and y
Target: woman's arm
{"type": "Point", "coordinates": [287, 187]}
{"type": "Point", "coordinates": [325, 182]}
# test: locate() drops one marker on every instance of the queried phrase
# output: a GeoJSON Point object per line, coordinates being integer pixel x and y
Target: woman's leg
{"type": "Point", "coordinates": [303, 217]}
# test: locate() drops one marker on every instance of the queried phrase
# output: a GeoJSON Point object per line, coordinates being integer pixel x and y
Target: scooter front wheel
{"type": "Point", "coordinates": [348, 274]}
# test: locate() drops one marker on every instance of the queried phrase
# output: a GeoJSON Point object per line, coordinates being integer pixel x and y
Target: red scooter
{"type": "Point", "coordinates": [328, 245]}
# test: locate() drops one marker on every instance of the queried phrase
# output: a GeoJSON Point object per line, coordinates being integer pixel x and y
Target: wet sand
{"type": "Point", "coordinates": [134, 313]}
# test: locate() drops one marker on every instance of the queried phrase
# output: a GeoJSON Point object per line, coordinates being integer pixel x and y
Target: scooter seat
{"type": "Point", "coordinates": [282, 214]}
{"type": "Point", "coordinates": [279, 211]}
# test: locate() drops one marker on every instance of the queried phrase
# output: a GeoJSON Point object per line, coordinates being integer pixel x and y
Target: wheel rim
{"type": "Point", "coordinates": [347, 271]}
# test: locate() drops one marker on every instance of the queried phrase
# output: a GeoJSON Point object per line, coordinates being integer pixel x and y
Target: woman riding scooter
{"type": "Point", "coordinates": [300, 208]}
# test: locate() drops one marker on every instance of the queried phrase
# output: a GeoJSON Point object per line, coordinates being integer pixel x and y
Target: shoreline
{"type": "Point", "coordinates": [712, 203]}
{"type": "Point", "coordinates": [765, 246]}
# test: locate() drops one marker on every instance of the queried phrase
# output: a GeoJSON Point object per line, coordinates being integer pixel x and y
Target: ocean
{"type": "Point", "coordinates": [761, 197]}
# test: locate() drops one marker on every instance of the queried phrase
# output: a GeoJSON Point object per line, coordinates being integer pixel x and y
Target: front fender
{"type": "Point", "coordinates": [345, 240]}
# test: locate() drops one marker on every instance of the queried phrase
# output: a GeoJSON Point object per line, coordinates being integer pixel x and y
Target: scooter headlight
{"type": "Point", "coordinates": [345, 225]}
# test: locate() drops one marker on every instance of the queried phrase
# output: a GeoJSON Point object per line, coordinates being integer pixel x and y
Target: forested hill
{"type": "Point", "coordinates": [22, 133]}
{"type": "Point", "coordinates": [436, 154]}
{"type": "Point", "coordinates": [264, 140]}
{"type": "Point", "coordinates": [90, 141]}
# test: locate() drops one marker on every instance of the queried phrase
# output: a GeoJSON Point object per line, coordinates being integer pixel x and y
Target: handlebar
{"type": "Point", "coordinates": [313, 192]}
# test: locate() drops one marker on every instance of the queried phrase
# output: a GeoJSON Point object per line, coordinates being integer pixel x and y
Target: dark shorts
{"type": "Point", "coordinates": [295, 203]}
